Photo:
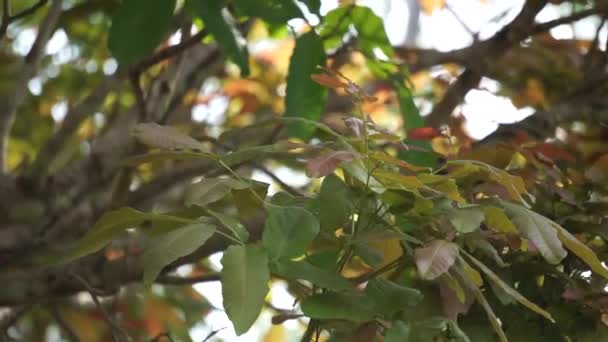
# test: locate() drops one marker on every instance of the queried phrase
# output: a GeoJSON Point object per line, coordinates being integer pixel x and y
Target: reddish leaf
{"type": "Point", "coordinates": [573, 293]}
{"type": "Point", "coordinates": [452, 306]}
{"type": "Point", "coordinates": [423, 133]}
{"type": "Point", "coordinates": [435, 259]}
{"type": "Point", "coordinates": [552, 153]}
{"type": "Point", "coordinates": [325, 164]}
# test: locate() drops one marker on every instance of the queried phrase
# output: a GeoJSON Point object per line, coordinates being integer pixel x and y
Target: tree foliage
{"type": "Point", "coordinates": [407, 229]}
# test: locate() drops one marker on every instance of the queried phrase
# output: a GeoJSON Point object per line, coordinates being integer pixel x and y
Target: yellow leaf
{"type": "Point", "coordinates": [497, 220]}
{"type": "Point", "coordinates": [429, 6]}
{"type": "Point", "coordinates": [582, 251]}
{"type": "Point", "coordinates": [276, 333]}
{"type": "Point", "coordinates": [455, 286]}
{"type": "Point", "coordinates": [450, 190]}
{"type": "Point", "coordinates": [446, 146]}
{"type": "Point", "coordinates": [390, 249]}
{"type": "Point", "coordinates": [423, 205]}
{"type": "Point", "coordinates": [471, 273]}
{"type": "Point", "coordinates": [394, 180]}
{"type": "Point", "coordinates": [379, 156]}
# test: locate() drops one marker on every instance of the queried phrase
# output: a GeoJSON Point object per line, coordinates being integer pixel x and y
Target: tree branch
{"type": "Point", "coordinates": [8, 114]}
{"type": "Point", "coordinates": [169, 52]}
{"type": "Point", "coordinates": [72, 121]}
{"type": "Point", "coordinates": [481, 54]}
{"type": "Point", "coordinates": [114, 327]}
{"type": "Point", "coordinates": [172, 280]}
{"type": "Point", "coordinates": [7, 18]}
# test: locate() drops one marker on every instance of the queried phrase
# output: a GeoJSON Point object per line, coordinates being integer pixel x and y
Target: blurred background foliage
{"type": "Point", "coordinates": [535, 105]}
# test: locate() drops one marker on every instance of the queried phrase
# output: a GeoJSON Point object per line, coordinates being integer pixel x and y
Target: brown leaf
{"type": "Point", "coordinates": [325, 164]}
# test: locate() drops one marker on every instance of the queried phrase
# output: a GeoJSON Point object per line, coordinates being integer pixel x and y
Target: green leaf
{"type": "Point", "coordinates": [457, 334]}
{"type": "Point", "coordinates": [398, 332]}
{"type": "Point", "coordinates": [411, 116]}
{"type": "Point", "coordinates": [370, 31]}
{"type": "Point", "coordinates": [313, 5]}
{"type": "Point", "coordinates": [249, 202]}
{"type": "Point", "coordinates": [110, 225]}
{"type": "Point", "coordinates": [335, 25]}
{"type": "Point", "coordinates": [304, 98]}
{"type": "Point", "coordinates": [539, 230]}
{"type": "Point", "coordinates": [240, 232]}
{"type": "Point", "coordinates": [335, 202]}
{"type": "Point", "coordinates": [494, 321]}
{"type": "Point", "coordinates": [317, 276]}
{"type": "Point", "coordinates": [173, 245]}
{"type": "Point", "coordinates": [435, 258]}
{"type": "Point", "coordinates": [219, 22]}
{"type": "Point", "coordinates": [508, 289]}
{"type": "Point", "coordinates": [245, 276]}
{"type": "Point", "coordinates": [288, 230]}
{"type": "Point", "coordinates": [413, 119]}
{"type": "Point", "coordinates": [250, 153]}
{"type": "Point", "coordinates": [210, 190]}
{"type": "Point", "coordinates": [272, 11]}
{"type": "Point", "coordinates": [466, 220]}
{"type": "Point", "coordinates": [389, 297]}
{"type": "Point", "coordinates": [358, 171]}
{"type": "Point", "coordinates": [369, 255]}
{"type": "Point", "coordinates": [497, 220]}
{"type": "Point", "coordinates": [334, 305]}
{"type": "Point", "coordinates": [580, 250]}
{"type": "Point", "coordinates": [137, 28]}
{"type": "Point", "coordinates": [161, 156]}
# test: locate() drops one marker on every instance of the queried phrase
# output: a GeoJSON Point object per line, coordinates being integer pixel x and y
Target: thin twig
{"type": "Point", "coordinates": [28, 11]}
{"type": "Point", "coordinates": [63, 324]}
{"type": "Point", "coordinates": [135, 78]}
{"type": "Point", "coordinates": [172, 280]}
{"type": "Point", "coordinates": [546, 26]}
{"type": "Point", "coordinates": [464, 25]}
{"type": "Point", "coordinates": [169, 52]}
{"type": "Point", "coordinates": [6, 12]}
{"type": "Point", "coordinates": [114, 328]}
{"type": "Point", "coordinates": [8, 114]}
{"type": "Point", "coordinates": [213, 333]}
{"type": "Point", "coordinates": [291, 190]}
{"type": "Point", "coordinates": [7, 18]}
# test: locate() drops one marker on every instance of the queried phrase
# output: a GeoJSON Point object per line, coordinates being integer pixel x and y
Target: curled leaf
{"type": "Point", "coordinates": [538, 229]}
{"type": "Point", "coordinates": [163, 137]}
